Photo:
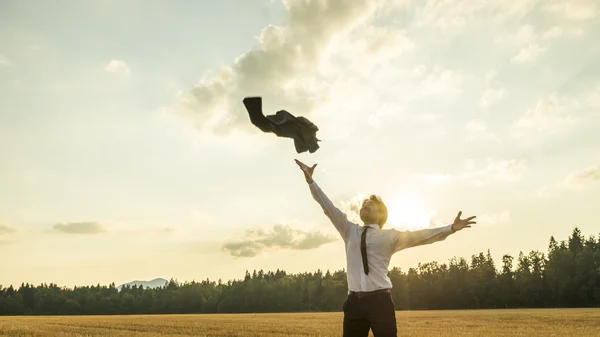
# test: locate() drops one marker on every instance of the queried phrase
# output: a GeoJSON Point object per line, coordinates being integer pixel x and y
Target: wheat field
{"type": "Point", "coordinates": [526, 322]}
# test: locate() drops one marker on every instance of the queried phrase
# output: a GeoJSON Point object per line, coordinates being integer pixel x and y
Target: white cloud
{"type": "Point", "coordinates": [482, 171]}
{"type": "Point", "coordinates": [453, 16]}
{"type": "Point", "coordinates": [4, 61]}
{"type": "Point", "coordinates": [441, 82]}
{"type": "Point", "coordinates": [493, 219]}
{"type": "Point", "coordinates": [491, 96]}
{"type": "Point", "coordinates": [286, 68]}
{"type": "Point", "coordinates": [525, 35]}
{"type": "Point", "coordinates": [531, 44]}
{"type": "Point", "coordinates": [528, 54]}
{"type": "Point", "coordinates": [557, 32]}
{"type": "Point", "coordinates": [476, 125]}
{"type": "Point", "coordinates": [436, 178]}
{"type": "Point", "coordinates": [490, 170]}
{"type": "Point", "coordinates": [351, 206]}
{"type": "Point", "coordinates": [583, 178]}
{"type": "Point", "coordinates": [549, 114]}
{"type": "Point", "coordinates": [592, 98]}
{"type": "Point", "coordinates": [379, 43]}
{"type": "Point", "coordinates": [119, 67]}
{"type": "Point", "coordinates": [478, 132]}
{"type": "Point", "coordinates": [577, 10]}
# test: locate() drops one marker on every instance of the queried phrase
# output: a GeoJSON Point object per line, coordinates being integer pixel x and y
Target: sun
{"type": "Point", "coordinates": [407, 213]}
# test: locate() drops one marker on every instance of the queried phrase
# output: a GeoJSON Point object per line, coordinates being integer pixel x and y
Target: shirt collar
{"type": "Point", "coordinates": [373, 225]}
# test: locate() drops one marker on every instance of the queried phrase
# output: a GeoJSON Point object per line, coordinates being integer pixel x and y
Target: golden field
{"type": "Point", "coordinates": [526, 322]}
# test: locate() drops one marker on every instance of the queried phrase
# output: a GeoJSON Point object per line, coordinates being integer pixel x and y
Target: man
{"type": "Point", "coordinates": [369, 249]}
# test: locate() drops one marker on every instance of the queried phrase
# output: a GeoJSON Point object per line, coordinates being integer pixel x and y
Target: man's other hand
{"type": "Point", "coordinates": [462, 223]}
{"type": "Point", "coordinates": [308, 171]}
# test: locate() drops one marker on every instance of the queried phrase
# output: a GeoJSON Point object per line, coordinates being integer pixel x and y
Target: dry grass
{"type": "Point", "coordinates": [529, 322]}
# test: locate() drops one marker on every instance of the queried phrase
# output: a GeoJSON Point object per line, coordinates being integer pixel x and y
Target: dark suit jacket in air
{"type": "Point", "coordinates": [284, 124]}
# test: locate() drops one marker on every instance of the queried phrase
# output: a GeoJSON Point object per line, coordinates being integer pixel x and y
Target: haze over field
{"type": "Point", "coordinates": [127, 153]}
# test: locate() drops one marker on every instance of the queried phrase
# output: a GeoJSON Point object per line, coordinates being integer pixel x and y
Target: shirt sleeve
{"type": "Point", "coordinates": [338, 218]}
{"type": "Point", "coordinates": [407, 239]}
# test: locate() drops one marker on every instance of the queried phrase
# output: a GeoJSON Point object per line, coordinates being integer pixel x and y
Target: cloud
{"type": "Point", "coordinates": [478, 132]}
{"type": "Point", "coordinates": [577, 10]}
{"type": "Point", "coordinates": [532, 44]}
{"type": "Point", "coordinates": [583, 178]}
{"type": "Point", "coordinates": [7, 242]}
{"type": "Point", "coordinates": [528, 54]}
{"type": "Point", "coordinates": [557, 32]}
{"type": "Point", "coordinates": [453, 16]}
{"type": "Point", "coordinates": [592, 99]}
{"type": "Point", "coordinates": [550, 113]}
{"type": "Point", "coordinates": [79, 228]}
{"type": "Point", "coordinates": [441, 82]}
{"type": "Point", "coordinates": [118, 67]}
{"type": "Point", "coordinates": [436, 178]}
{"type": "Point", "coordinates": [351, 206]}
{"type": "Point", "coordinates": [493, 219]}
{"type": "Point", "coordinates": [285, 67]}
{"type": "Point", "coordinates": [481, 171]}
{"type": "Point", "coordinates": [525, 35]}
{"type": "Point", "coordinates": [4, 61]}
{"type": "Point", "coordinates": [491, 96]}
{"type": "Point", "coordinates": [256, 241]}
{"type": "Point", "coordinates": [476, 126]}
{"type": "Point", "coordinates": [6, 230]}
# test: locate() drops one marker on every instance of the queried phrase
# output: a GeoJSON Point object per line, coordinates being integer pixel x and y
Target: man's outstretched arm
{"type": "Point", "coordinates": [407, 239]}
{"type": "Point", "coordinates": [338, 218]}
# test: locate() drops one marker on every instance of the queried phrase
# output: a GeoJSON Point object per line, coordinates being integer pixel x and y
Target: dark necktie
{"type": "Point", "coordinates": [363, 250]}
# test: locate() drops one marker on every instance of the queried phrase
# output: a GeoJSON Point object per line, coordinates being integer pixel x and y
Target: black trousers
{"type": "Point", "coordinates": [374, 312]}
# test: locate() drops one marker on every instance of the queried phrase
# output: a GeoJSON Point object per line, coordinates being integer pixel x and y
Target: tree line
{"type": "Point", "coordinates": [567, 275]}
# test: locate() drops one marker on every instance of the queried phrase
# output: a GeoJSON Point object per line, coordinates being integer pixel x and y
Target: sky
{"type": "Point", "coordinates": [127, 153]}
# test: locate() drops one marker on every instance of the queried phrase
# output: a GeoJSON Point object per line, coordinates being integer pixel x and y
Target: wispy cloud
{"type": "Point", "coordinates": [491, 96]}
{"type": "Point", "coordinates": [550, 113]}
{"type": "Point", "coordinates": [79, 228]}
{"type": "Point", "coordinates": [4, 61]}
{"type": "Point", "coordinates": [482, 171]}
{"type": "Point", "coordinates": [528, 54]}
{"type": "Point", "coordinates": [558, 32]}
{"type": "Point", "coordinates": [577, 10]}
{"type": "Point", "coordinates": [583, 178]}
{"type": "Point", "coordinates": [6, 230]}
{"type": "Point", "coordinates": [441, 82]}
{"type": "Point", "coordinates": [256, 241]}
{"type": "Point", "coordinates": [493, 219]}
{"type": "Point", "coordinates": [118, 67]}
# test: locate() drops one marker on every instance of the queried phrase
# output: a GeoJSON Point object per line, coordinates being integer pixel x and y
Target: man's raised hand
{"type": "Point", "coordinates": [308, 171]}
{"type": "Point", "coordinates": [462, 223]}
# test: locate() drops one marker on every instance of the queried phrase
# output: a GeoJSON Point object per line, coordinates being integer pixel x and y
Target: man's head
{"type": "Point", "coordinates": [373, 210]}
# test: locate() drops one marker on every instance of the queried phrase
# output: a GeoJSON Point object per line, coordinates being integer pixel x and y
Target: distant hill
{"type": "Point", "coordinates": [156, 283]}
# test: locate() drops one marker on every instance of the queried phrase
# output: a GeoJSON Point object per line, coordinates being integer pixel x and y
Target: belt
{"type": "Point", "coordinates": [361, 294]}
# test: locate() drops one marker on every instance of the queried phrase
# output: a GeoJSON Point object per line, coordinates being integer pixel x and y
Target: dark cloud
{"type": "Point", "coordinates": [256, 241]}
{"type": "Point", "coordinates": [6, 230]}
{"type": "Point", "coordinates": [79, 228]}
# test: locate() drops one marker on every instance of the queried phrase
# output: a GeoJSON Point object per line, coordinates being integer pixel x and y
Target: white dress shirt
{"type": "Point", "coordinates": [381, 245]}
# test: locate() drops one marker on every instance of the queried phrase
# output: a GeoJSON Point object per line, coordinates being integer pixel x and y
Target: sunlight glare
{"type": "Point", "coordinates": [407, 213]}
